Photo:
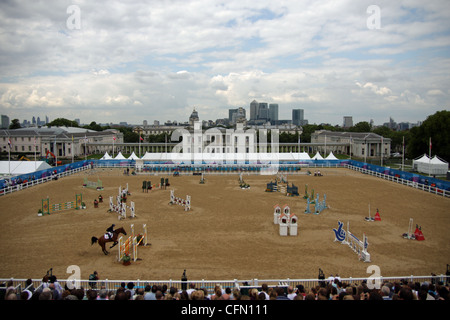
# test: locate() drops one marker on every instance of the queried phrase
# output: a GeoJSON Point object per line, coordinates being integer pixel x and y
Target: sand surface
{"type": "Point", "coordinates": [229, 232]}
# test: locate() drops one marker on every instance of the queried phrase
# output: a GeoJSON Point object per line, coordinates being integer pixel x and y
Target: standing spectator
{"type": "Point", "coordinates": [191, 289]}
{"type": "Point", "coordinates": [290, 293]}
{"type": "Point", "coordinates": [280, 294]}
{"type": "Point", "coordinates": [385, 293]}
{"type": "Point", "coordinates": [29, 285]}
{"type": "Point", "coordinates": [227, 294]}
{"type": "Point", "coordinates": [93, 278]}
{"type": "Point", "coordinates": [46, 294]}
{"type": "Point", "coordinates": [301, 290]}
{"type": "Point", "coordinates": [130, 288]}
{"type": "Point", "coordinates": [102, 294]}
{"type": "Point", "coordinates": [91, 294]}
{"type": "Point", "coordinates": [265, 290]}
{"type": "Point", "coordinates": [150, 294]}
{"type": "Point", "coordinates": [25, 295]}
{"type": "Point", "coordinates": [159, 295]}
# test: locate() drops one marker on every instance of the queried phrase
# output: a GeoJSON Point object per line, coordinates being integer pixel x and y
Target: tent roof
{"type": "Point", "coordinates": [331, 156]}
{"type": "Point", "coordinates": [436, 160]}
{"type": "Point", "coordinates": [106, 156]}
{"type": "Point", "coordinates": [317, 156]}
{"type": "Point", "coordinates": [424, 158]}
{"type": "Point", "coordinates": [22, 167]}
{"type": "Point", "coordinates": [133, 156]}
{"type": "Point", "coordinates": [120, 157]}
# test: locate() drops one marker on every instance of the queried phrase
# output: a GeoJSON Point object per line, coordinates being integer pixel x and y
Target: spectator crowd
{"type": "Point", "coordinates": [330, 289]}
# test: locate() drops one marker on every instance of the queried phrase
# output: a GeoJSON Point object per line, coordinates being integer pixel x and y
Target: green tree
{"type": "Point", "coordinates": [395, 136]}
{"type": "Point", "coordinates": [307, 131]}
{"type": "Point", "coordinates": [128, 135]}
{"type": "Point", "coordinates": [362, 126]}
{"type": "Point", "coordinates": [62, 122]}
{"type": "Point", "coordinates": [437, 128]}
{"type": "Point", "coordinates": [94, 126]}
{"type": "Point", "coordinates": [15, 124]}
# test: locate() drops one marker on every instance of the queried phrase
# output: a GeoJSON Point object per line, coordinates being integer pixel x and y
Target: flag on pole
{"type": "Point", "coordinates": [430, 147]}
{"type": "Point", "coordinates": [9, 143]}
{"type": "Point", "coordinates": [140, 138]}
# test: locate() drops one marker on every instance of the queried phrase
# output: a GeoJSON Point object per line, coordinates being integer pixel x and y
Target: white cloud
{"type": "Point", "coordinates": [157, 60]}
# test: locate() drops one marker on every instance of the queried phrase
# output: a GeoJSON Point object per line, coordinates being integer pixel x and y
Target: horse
{"type": "Point", "coordinates": [102, 240]}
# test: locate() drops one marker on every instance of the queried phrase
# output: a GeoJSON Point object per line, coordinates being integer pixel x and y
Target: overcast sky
{"type": "Point", "coordinates": [112, 61]}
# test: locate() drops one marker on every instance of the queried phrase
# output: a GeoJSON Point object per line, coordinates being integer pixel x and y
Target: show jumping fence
{"type": "Point", "coordinates": [48, 208]}
{"type": "Point", "coordinates": [186, 203]}
{"type": "Point", "coordinates": [130, 245]}
{"type": "Point", "coordinates": [348, 238]}
{"type": "Point", "coordinates": [92, 184]}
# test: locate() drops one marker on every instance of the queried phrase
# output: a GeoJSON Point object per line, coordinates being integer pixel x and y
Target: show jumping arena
{"type": "Point", "coordinates": [229, 232]}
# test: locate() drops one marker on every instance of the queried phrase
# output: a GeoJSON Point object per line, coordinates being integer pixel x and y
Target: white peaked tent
{"type": "Point", "coordinates": [331, 156]}
{"type": "Point", "coordinates": [317, 156]}
{"type": "Point", "coordinates": [434, 166]}
{"type": "Point", "coordinates": [439, 166]}
{"type": "Point", "coordinates": [106, 156]}
{"type": "Point", "coordinates": [120, 157]}
{"type": "Point", "coordinates": [133, 156]}
{"type": "Point", "coordinates": [423, 159]}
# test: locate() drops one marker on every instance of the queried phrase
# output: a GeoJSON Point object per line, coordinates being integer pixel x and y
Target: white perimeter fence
{"type": "Point", "coordinates": [290, 169]}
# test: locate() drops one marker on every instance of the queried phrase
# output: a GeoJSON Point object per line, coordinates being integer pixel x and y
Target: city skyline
{"type": "Point", "coordinates": [117, 61]}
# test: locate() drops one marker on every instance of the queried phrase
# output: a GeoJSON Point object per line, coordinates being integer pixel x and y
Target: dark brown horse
{"type": "Point", "coordinates": [102, 241]}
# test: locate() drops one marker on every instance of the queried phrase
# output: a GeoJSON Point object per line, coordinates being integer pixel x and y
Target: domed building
{"type": "Point", "coordinates": [193, 117]}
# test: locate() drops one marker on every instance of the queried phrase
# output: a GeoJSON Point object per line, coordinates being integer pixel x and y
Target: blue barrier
{"type": "Point", "coordinates": [291, 166]}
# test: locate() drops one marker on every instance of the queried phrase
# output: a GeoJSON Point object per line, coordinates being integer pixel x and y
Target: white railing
{"type": "Point", "coordinates": [219, 170]}
{"type": "Point", "coordinates": [209, 285]}
{"type": "Point", "coordinates": [417, 185]}
{"type": "Point", "coordinates": [35, 182]}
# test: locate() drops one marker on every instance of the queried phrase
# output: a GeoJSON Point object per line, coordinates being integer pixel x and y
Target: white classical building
{"type": "Point", "coordinates": [358, 144]}
{"type": "Point", "coordinates": [59, 142]}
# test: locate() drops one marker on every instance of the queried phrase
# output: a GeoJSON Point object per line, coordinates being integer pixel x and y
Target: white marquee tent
{"type": "Point", "coordinates": [22, 167]}
{"type": "Point", "coordinates": [433, 166]}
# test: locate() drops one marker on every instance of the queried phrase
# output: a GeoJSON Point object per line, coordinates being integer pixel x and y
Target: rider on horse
{"type": "Point", "coordinates": [110, 231]}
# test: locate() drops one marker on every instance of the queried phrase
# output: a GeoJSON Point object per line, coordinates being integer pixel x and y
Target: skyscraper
{"type": "Point", "coordinates": [298, 117]}
{"type": "Point", "coordinates": [273, 112]}
{"type": "Point", "coordinates": [254, 106]}
{"type": "Point", "coordinates": [348, 122]}
{"type": "Point", "coordinates": [236, 115]}
{"type": "Point", "coordinates": [5, 122]}
{"type": "Point", "coordinates": [263, 111]}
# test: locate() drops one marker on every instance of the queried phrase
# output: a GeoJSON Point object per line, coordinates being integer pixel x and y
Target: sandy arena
{"type": "Point", "coordinates": [229, 232]}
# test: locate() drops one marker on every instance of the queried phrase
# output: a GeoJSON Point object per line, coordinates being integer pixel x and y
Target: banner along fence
{"type": "Point", "coordinates": [425, 183]}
